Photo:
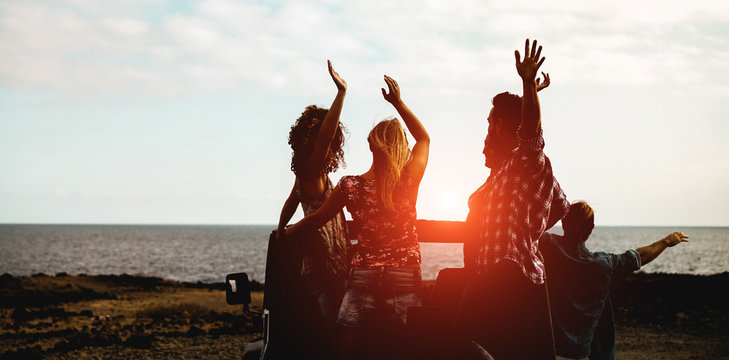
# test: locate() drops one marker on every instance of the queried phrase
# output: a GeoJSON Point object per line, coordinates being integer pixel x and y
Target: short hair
{"type": "Point", "coordinates": [580, 219]}
{"type": "Point", "coordinates": [303, 136]}
{"type": "Point", "coordinates": [507, 108]}
{"type": "Point", "coordinates": [581, 210]}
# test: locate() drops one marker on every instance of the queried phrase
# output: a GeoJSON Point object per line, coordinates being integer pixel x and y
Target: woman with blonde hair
{"type": "Point", "coordinates": [385, 275]}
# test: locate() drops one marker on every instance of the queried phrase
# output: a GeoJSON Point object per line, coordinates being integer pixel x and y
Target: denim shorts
{"type": "Point", "coordinates": [383, 291]}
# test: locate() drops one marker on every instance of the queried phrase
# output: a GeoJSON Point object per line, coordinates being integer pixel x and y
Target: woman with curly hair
{"type": "Point", "coordinates": [316, 141]}
{"type": "Point", "coordinates": [385, 275]}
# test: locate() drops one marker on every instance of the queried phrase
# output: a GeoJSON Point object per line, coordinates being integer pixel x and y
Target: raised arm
{"type": "Point", "coordinates": [332, 205]}
{"type": "Point", "coordinates": [650, 252]}
{"type": "Point", "coordinates": [527, 69]}
{"type": "Point", "coordinates": [288, 210]}
{"type": "Point", "coordinates": [421, 149]}
{"type": "Point", "coordinates": [328, 127]}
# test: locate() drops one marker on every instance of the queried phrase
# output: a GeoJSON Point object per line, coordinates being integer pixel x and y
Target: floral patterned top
{"type": "Point", "coordinates": [325, 249]}
{"type": "Point", "coordinates": [385, 238]}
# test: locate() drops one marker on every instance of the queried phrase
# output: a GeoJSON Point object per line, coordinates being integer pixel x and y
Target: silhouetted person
{"type": "Point", "coordinates": [385, 276]}
{"type": "Point", "coordinates": [579, 283]}
{"type": "Point", "coordinates": [316, 140]}
{"type": "Point", "coordinates": [504, 307]}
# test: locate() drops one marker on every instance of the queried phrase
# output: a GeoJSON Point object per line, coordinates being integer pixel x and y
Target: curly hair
{"type": "Point", "coordinates": [302, 139]}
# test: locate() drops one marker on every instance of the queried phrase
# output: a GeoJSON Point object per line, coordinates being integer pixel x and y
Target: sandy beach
{"type": "Point", "coordinates": [659, 316]}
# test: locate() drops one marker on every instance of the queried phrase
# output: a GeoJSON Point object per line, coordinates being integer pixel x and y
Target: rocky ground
{"type": "Point", "coordinates": [120, 317]}
{"type": "Point", "coordinates": [672, 316]}
{"type": "Point", "coordinates": [131, 317]}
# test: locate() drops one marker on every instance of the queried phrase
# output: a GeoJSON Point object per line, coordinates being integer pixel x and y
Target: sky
{"type": "Point", "coordinates": [178, 112]}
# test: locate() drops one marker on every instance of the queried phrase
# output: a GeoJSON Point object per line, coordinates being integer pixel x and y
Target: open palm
{"type": "Point", "coordinates": [341, 84]}
{"type": "Point", "coordinates": [393, 94]}
{"type": "Point", "coordinates": [528, 68]}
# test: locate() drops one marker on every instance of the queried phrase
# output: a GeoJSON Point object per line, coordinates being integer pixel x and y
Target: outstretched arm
{"type": "Point", "coordinates": [287, 211]}
{"type": "Point", "coordinates": [650, 252]}
{"type": "Point", "coordinates": [328, 127]}
{"type": "Point", "coordinates": [527, 69]}
{"type": "Point", "coordinates": [332, 205]}
{"type": "Point", "coordinates": [421, 149]}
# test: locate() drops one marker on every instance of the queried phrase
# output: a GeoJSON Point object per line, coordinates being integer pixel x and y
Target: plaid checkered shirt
{"type": "Point", "coordinates": [514, 207]}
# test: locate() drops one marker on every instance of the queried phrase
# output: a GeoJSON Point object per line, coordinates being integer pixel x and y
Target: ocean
{"type": "Point", "coordinates": [206, 253]}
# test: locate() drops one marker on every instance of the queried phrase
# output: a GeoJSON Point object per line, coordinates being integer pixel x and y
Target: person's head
{"type": "Point", "coordinates": [579, 221]}
{"type": "Point", "coordinates": [504, 120]}
{"type": "Point", "coordinates": [390, 152]}
{"type": "Point", "coordinates": [302, 139]}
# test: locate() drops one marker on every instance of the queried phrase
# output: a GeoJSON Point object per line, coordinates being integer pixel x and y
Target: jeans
{"type": "Point", "coordinates": [384, 291]}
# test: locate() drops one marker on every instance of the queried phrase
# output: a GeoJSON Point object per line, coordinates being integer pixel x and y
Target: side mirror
{"type": "Point", "coordinates": [237, 289]}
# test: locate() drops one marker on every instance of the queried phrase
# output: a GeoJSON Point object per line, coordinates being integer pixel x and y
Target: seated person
{"type": "Point", "coordinates": [579, 281]}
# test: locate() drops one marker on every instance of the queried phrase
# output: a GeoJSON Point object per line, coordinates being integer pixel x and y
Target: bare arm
{"type": "Point", "coordinates": [328, 127]}
{"type": "Point", "coordinates": [333, 204]}
{"type": "Point", "coordinates": [650, 252]}
{"type": "Point", "coordinates": [527, 69]}
{"type": "Point", "coordinates": [421, 149]}
{"type": "Point", "coordinates": [288, 210]}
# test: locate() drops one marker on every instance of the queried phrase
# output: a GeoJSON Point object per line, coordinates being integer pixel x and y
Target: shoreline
{"type": "Point", "coordinates": [658, 316]}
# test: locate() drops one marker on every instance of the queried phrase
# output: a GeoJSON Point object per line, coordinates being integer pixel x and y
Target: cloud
{"type": "Point", "coordinates": [91, 46]}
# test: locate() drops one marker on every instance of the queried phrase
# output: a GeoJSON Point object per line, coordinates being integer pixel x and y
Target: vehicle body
{"type": "Point", "coordinates": [429, 333]}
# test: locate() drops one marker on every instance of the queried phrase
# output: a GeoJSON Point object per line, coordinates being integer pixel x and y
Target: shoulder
{"type": "Point", "coordinates": [349, 183]}
{"type": "Point", "coordinates": [551, 244]}
{"type": "Point", "coordinates": [346, 181]}
{"type": "Point", "coordinates": [529, 155]}
{"type": "Point", "coordinates": [546, 241]}
{"type": "Point", "coordinates": [533, 144]}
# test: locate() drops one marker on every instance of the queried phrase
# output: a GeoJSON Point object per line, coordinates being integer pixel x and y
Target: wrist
{"type": "Point", "coordinates": [666, 241]}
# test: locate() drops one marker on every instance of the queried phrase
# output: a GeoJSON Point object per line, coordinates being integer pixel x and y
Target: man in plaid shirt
{"type": "Point", "coordinates": [504, 307]}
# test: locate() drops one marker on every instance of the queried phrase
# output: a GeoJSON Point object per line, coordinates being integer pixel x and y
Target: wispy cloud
{"type": "Point", "coordinates": [628, 77]}
{"type": "Point", "coordinates": [91, 46]}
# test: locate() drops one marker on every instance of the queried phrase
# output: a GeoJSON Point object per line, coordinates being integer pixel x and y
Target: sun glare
{"type": "Point", "coordinates": [443, 205]}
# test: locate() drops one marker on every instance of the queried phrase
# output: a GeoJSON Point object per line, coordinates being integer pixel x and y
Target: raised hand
{"type": "Point", "coordinates": [341, 84]}
{"type": "Point", "coordinates": [541, 85]}
{"type": "Point", "coordinates": [675, 238]}
{"type": "Point", "coordinates": [527, 69]}
{"type": "Point", "coordinates": [393, 97]}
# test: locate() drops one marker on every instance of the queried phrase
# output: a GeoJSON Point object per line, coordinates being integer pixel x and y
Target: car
{"type": "Point", "coordinates": [287, 331]}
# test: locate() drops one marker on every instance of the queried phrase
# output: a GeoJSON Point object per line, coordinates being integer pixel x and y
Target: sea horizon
{"type": "Point", "coordinates": [207, 252]}
{"type": "Point", "coordinates": [275, 225]}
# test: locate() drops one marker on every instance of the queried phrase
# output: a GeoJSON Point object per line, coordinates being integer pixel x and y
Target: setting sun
{"type": "Point", "coordinates": [446, 204]}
